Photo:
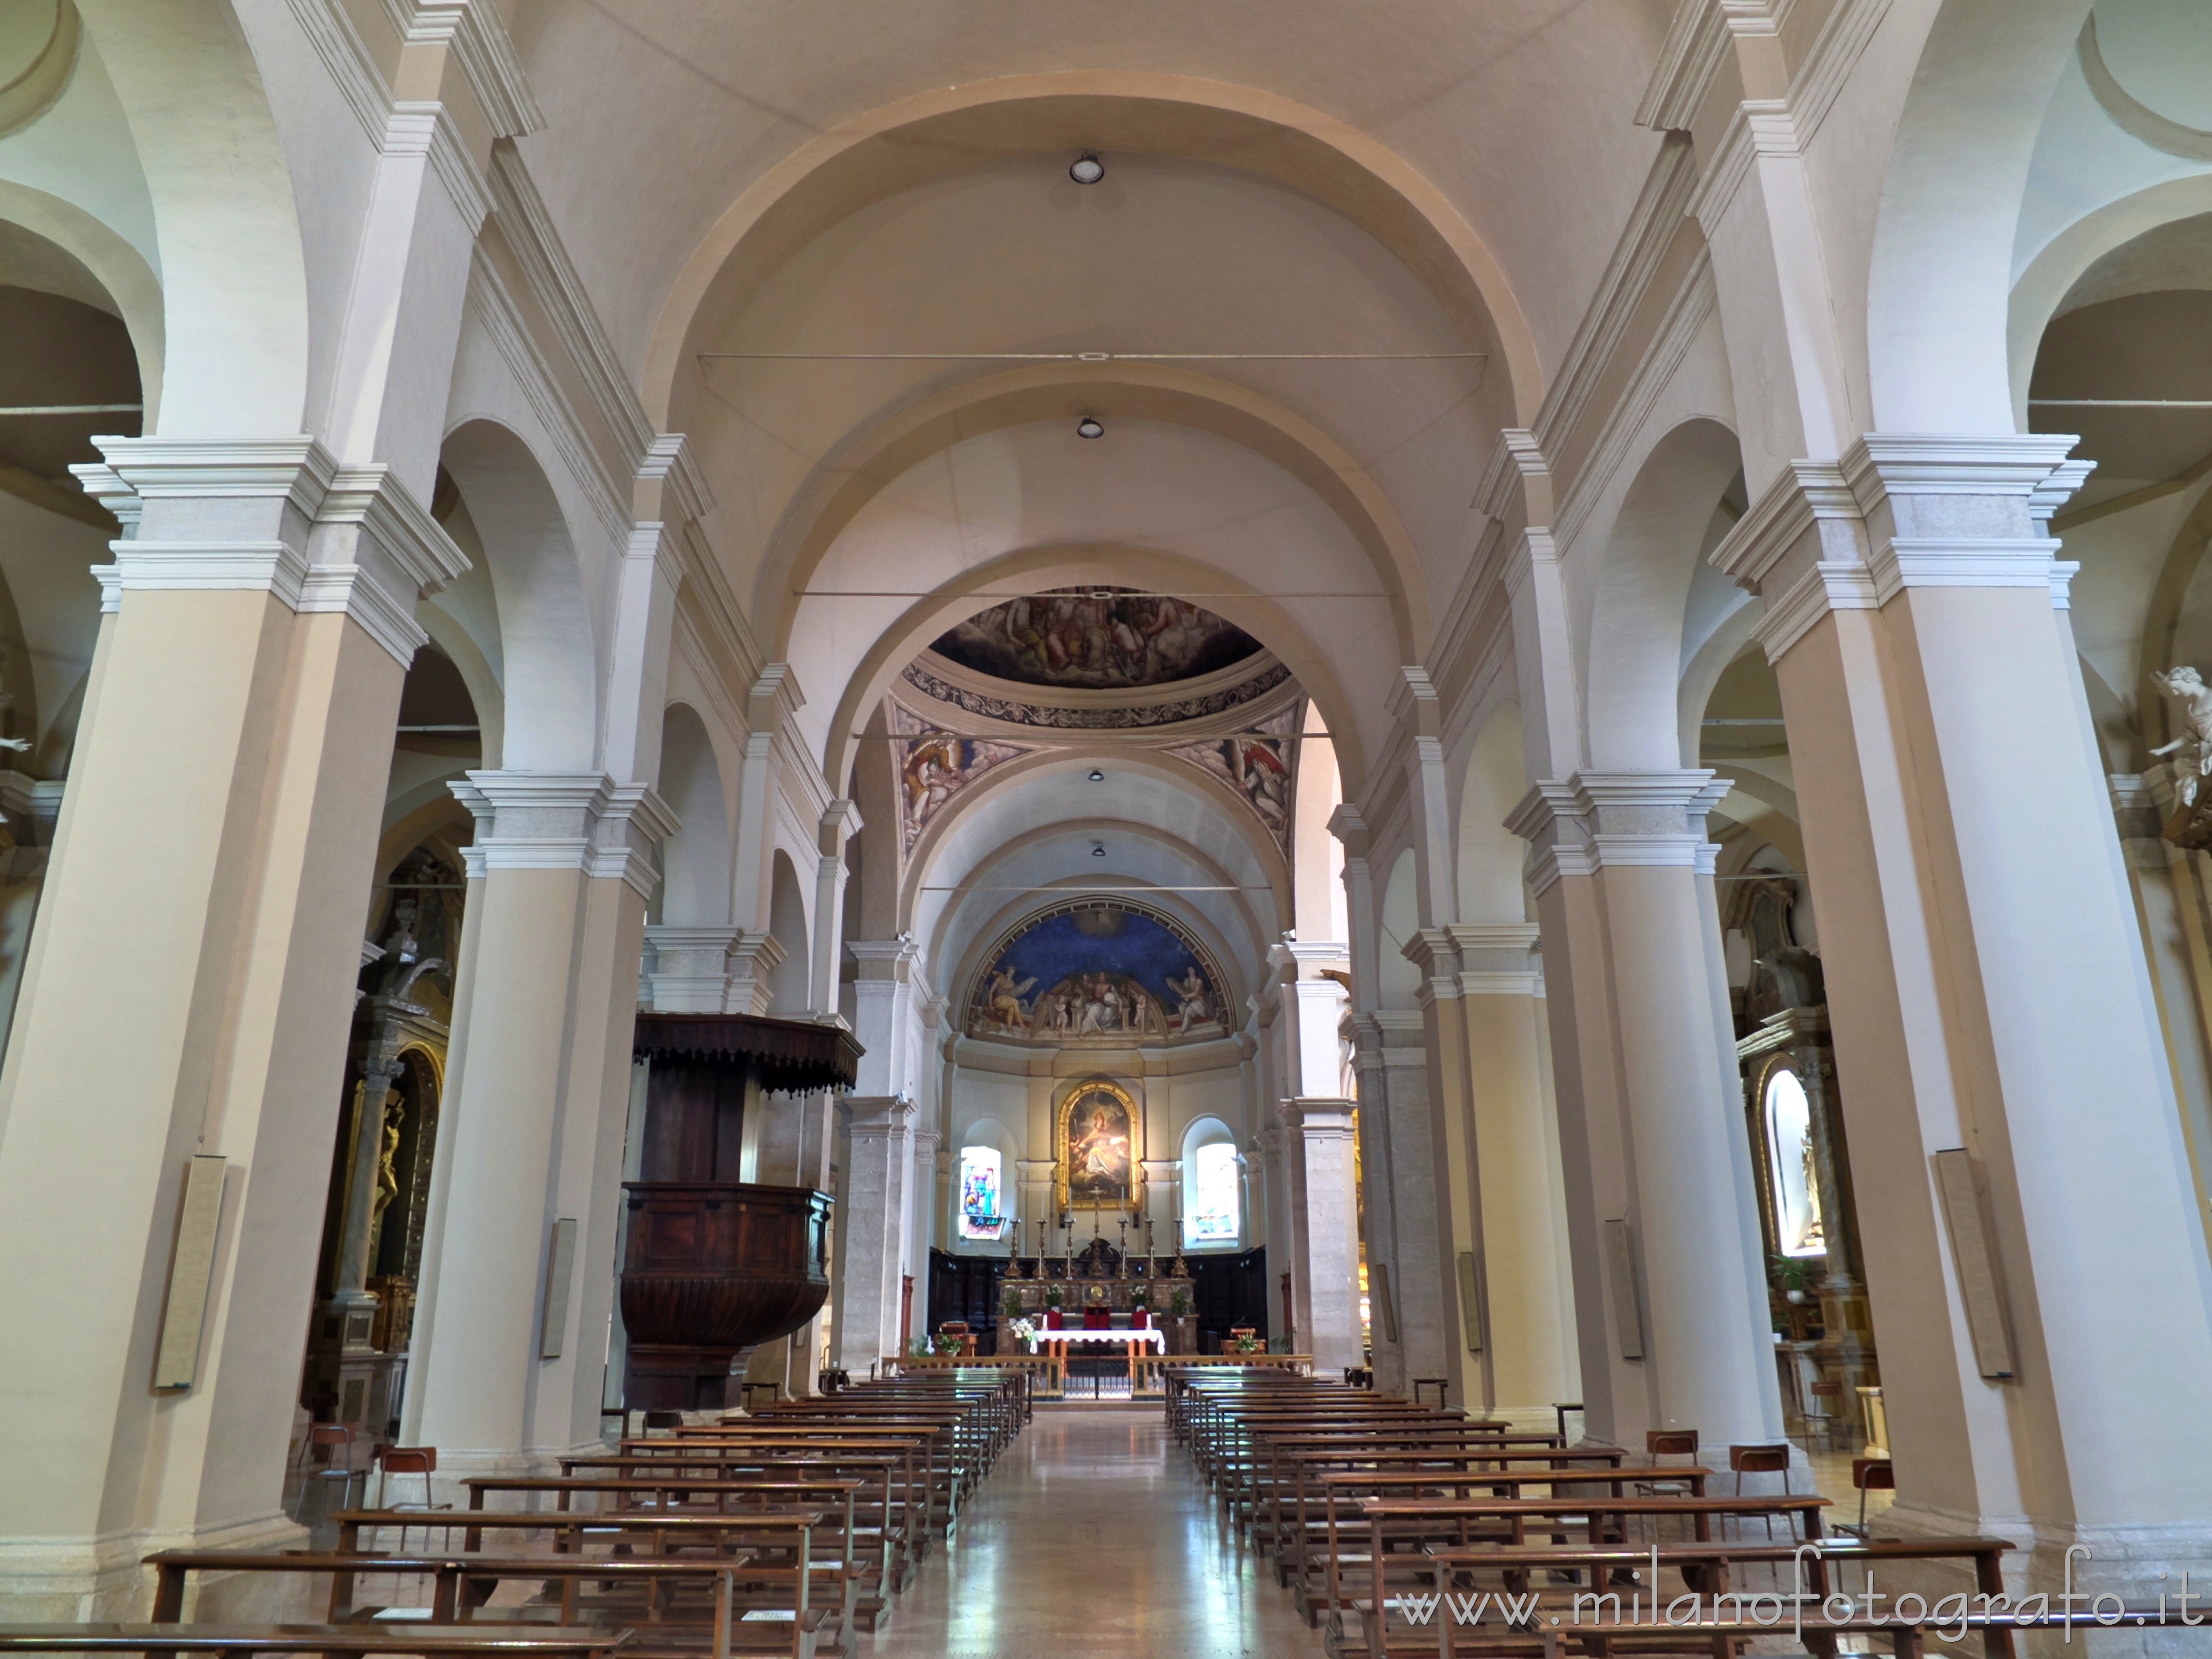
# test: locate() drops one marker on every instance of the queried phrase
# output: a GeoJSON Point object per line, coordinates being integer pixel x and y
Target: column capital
{"type": "Point", "coordinates": [774, 699]}
{"type": "Point", "coordinates": [1499, 958]}
{"type": "Point", "coordinates": [1390, 1036]}
{"type": "Point", "coordinates": [581, 821]}
{"type": "Point", "coordinates": [277, 515]}
{"type": "Point", "coordinates": [885, 958]}
{"type": "Point", "coordinates": [878, 1117]}
{"type": "Point", "coordinates": [1413, 702]}
{"type": "Point", "coordinates": [1578, 825]}
{"type": "Point", "coordinates": [753, 958]}
{"type": "Point", "coordinates": [1349, 828]}
{"type": "Point", "coordinates": [1296, 958]}
{"type": "Point", "coordinates": [840, 820]}
{"type": "Point", "coordinates": [1316, 1117]}
{"type": "Point", "coordinates": [1902, 510]}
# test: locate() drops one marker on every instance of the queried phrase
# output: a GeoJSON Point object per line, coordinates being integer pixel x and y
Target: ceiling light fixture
{"type": "Point", "coordinates": [1097, 776]}
{"type": "Point", "coordinates": [1089, 427]}
{"type": "Point", "coordinates": [1087, 169]}
{"type": "Point", "coordinates": [1097, 849]}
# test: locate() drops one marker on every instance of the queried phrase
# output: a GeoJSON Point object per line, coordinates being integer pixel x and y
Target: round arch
{"type": "Point", "coordinates": [1635, 652]}
{"type": "Point", "coordinates": [921, 862]}
{"type": "Point", "coordinates": [116, 266]}
{"type": "Point", "coordinates": [2067, 257]}
{"type": "Point", "coordinates": [1251, 609]}
{"type": "Point", "coordinates": [791, 982]}
{"type": "Point", "coordinates": [696, 860]}
{"type": "Point", "coordinates": [1939, 282]}
{"type": "Point", "coordinates": [992, 926]}
{"type": "Point", "coordinates": [883, 151]}
{"type": "Point", "coordinates": [550, 669]}
{"type": "Point", "coordinates": [236, 340]}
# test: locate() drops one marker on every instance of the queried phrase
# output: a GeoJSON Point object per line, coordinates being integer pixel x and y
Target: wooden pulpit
{"type": "Point", "coordinates": [714, 1265]}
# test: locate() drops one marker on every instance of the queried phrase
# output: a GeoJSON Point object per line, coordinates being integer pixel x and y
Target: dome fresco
{"type": "Point", "coordinates": [1107, 639]}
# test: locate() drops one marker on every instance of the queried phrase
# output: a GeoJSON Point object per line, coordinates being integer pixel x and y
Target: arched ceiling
{"type": "Point", "coordinates": [1034, 829]}
{"type": "Point", "coordinates": [1332, 255]}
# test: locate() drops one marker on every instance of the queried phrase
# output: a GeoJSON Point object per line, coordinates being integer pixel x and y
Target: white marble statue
{"type": "Point", "coordinates": [2193, 752]}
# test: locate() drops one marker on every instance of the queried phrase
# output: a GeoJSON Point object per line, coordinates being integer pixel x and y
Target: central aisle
{"type": "Point", "coordinates": [1095, 1538]}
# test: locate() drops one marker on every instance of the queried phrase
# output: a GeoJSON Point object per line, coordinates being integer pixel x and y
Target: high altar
{"type": "Point", "coordinates": [1102, 1288]}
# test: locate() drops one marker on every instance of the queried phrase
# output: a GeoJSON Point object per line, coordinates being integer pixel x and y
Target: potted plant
{"type": "Point", "coordinates": [1052, 1295]}
{"type": "Point", "coordinates": [947, 1345]}
{"type": "Point", "coordinates": [1179, 1305]}
{"type": "Point", "coordinates": [1010, 1304]}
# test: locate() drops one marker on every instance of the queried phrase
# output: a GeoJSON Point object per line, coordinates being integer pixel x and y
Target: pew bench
{"type": "Point", "coordinates": [237, 1641]}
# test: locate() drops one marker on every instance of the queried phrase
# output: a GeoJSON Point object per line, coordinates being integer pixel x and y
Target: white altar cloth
{"type": "Point", "coordinates": [1153, 1338]}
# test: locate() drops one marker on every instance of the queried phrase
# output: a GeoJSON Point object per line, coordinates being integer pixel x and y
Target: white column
{"type": "Point", "coordinates": [688, 968]}
{"type": "Point", "coordinates": [537, 1100]}
{"type": "Point", "coordinates": [1326, 1275]}
{"type": "Point", "coordinates": [1529, 1353]}
{"type": "Point", "coordinates": [190, 990]}
{"type": "Point", "coordinates": [838, 823]}
{"type": "Point", "coordinates": [881, 1158]}
{"type": "Point", "coordinates": [1649, 1110]}
{"type": "Point", "coordinates": [1409, 1128]}
{"type": "Point", "coordinates": [1988, 992]}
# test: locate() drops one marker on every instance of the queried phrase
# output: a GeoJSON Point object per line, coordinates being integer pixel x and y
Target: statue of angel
{"type": "Point", "coordinates": [2193, 750]}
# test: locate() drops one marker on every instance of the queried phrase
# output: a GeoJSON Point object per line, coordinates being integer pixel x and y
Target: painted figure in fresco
{"type": "Point", "coordinates": [1097, 1011]}
{"type": "Point", "coordinates": [1192, 1006]}
{"type": "Point", "coordinates": [1003, 999]}
{"type": "Point", "coordinates": [1099, 1151]}
{"type": "Point", "coordinates": [1267, 785]}
{"type": "Point", "coordinates": [931, 776]}
{"type": "Point", "coordinates": [1144, 1014]}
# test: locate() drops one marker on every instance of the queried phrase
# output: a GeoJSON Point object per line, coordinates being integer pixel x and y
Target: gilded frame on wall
{"type": "Point", "coordinates": [1097, 1136]}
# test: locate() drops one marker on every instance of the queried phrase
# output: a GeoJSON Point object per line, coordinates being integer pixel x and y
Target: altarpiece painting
{"type": "Point", "coordinates": [1094, 1147]}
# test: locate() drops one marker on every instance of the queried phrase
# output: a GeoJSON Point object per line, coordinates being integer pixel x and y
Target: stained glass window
{"type": "Point", "coordinates": [1212, 1212]}
{"type": "Point", "coordinates": [980, 1174]}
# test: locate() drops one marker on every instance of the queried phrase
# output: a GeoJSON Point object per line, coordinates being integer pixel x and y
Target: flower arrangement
{"type": "Point", "coordinates": [947, 1345]}
{"type": "Point", "coordinates": [1250, 1345]}
{"type": "Point", "coordinates": [1024, 1330]}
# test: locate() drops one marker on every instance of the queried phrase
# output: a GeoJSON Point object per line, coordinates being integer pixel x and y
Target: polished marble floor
{"type": "Point", "coordinates": [1093, 1537]}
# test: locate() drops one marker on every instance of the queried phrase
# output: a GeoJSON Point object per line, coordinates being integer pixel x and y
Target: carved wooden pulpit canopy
{"type": "Point", "coordinates": [714, 1264]}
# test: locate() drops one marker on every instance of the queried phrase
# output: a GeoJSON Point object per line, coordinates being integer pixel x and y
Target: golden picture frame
{"type": "Point", "coordinates": [1098, 1135]}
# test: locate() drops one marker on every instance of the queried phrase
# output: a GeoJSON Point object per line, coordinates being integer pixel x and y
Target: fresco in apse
{"type": "Point", "coordinates": [1098, 973]}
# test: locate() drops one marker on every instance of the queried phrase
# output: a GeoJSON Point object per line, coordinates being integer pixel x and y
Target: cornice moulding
{"type": "Point", "coordinates": [559, 288]}
{"type": "Point", "coordinates": [1693, 304]}
{"type": "Point", "coordinates": [472, 31]}
{"type": "Point", "coordinates": [496, 309]}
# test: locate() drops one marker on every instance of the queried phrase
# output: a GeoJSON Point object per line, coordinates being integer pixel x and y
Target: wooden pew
{"type": "Point", "coordinates": [353, 1641]}
{"type": "Point", "coordinates": [462, 1582]}
{"type": "Point", "coordinates": [1455, 1522]}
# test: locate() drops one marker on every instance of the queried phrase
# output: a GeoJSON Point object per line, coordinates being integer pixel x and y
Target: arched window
{"type": "Point", "coordinates": [1213, 1209]}
{"type": "Point", "coordinates": [981, 1176]}
{"type": "Point", "coordinates": [1797, 1223]}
